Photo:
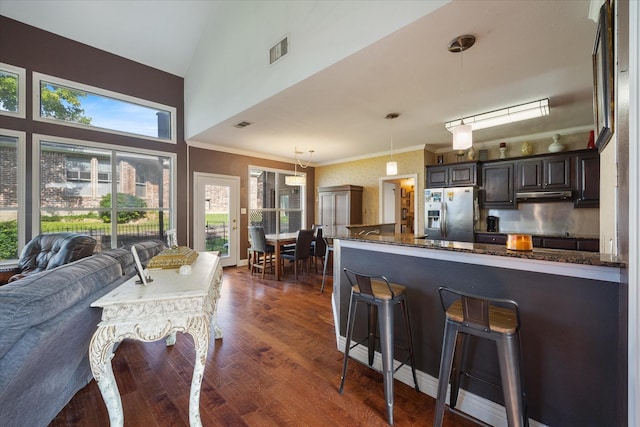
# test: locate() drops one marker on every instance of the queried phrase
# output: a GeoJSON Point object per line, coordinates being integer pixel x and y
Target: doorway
{"type": "Point", "coordinates": [398, 202]}
{"type": "Point", "coordinates": [216, 210]}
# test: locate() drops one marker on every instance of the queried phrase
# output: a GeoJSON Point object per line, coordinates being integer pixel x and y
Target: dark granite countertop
{"type": "Point", "coordinates": [555, 255]}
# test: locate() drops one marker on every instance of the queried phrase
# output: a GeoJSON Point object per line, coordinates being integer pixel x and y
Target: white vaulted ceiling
{"type": "Point", "coordinates": [525, 50]}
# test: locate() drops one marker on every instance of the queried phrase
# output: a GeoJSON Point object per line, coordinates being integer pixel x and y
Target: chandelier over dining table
{"type": "Point", "coordinates": [295, 179]}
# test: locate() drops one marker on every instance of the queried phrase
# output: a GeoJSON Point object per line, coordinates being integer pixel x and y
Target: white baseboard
{"type": "Point", "coordinates": [469, 403]}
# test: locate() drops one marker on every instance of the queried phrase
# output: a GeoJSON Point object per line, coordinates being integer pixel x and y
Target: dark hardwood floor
{"type": "Point", "coordinates": [276, 365]}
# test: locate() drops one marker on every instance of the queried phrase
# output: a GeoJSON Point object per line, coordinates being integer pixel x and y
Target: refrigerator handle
{"type": "Point", "coordinates": [443, 221]}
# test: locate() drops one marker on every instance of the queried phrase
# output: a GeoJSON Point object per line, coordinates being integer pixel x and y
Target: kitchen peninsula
{"type": "Point", "coordinates": [574, 346]}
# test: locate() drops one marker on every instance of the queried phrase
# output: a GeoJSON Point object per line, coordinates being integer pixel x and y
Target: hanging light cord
{"type": "Point", "coordinates": [461, 83]}
{"type": "Point", "coordinates": [391, 139]}
{"type": "Point", "coordinates": [390, 117]}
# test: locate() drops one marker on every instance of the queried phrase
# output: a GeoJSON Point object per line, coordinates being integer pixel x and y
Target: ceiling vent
{"type": "Point", "coordinates": [279, 50]}
{"type": "Point", "coordinates": [242, 125]}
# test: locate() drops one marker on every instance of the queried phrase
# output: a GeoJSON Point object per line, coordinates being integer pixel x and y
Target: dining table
{"type": "Point", "coordinates": [278, 240]}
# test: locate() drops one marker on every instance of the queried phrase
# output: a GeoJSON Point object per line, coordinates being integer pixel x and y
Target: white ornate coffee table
{"type": "Point", "coordinates": [171, 303]}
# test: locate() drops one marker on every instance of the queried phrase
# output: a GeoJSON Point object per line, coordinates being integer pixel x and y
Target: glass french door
{"type": "Point", "coordinates": [216, 215]}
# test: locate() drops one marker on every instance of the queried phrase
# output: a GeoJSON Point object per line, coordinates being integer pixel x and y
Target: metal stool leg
{"type": "Point", "coordinates": [459, 357]}
{"type": "Point", "coordinates": [509, 359]}
{"type": "Point", "coordinates": [405, 311]}
{"type": "Point", "coordinates": [350, 321]}
{"type": "Point", "coordinates": [324, 270]}
{"type": "Point", "coordinates": [372, 315]}
{"type": "Point", "coordinates": [446, 361]}
{"type": "Point", "coordinates": [386, 345]}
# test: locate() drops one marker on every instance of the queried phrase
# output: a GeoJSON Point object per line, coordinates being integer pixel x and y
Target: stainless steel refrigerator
{"type": "Point", "coordinates": [451, 213]}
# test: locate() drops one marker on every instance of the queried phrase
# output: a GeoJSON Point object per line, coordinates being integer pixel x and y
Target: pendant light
{"type": "Point", "coordinates": [392, 166]}
{"type": "Point", "coordinates": [462, 135]}
{"type": "Point", "coordinates": [295, 179]}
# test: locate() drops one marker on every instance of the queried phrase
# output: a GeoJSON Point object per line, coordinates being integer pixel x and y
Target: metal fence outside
{"type": "Point", "coordinates": [127, 234]}
{"type": "Point", "coordinates": [216, 235]}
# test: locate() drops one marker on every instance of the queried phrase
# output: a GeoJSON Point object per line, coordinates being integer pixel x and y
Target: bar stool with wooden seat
{"type": "Point", "coordinates": [380, 296]}
{"type": "Point", "coordinates": [495, 319]}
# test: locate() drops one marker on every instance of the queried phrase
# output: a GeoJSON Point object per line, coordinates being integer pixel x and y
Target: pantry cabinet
{"type": "Point", "coordinates": [339, 206]}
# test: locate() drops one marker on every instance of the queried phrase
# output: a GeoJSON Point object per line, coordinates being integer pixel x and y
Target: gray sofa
{"type": "Point", "coordinates": [46, 324]}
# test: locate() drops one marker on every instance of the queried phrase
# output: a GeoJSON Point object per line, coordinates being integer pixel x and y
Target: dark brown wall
{"type": "Point", "coordinates": [216, 162]}
{"type": "Point", "coordinates": [40, 51]}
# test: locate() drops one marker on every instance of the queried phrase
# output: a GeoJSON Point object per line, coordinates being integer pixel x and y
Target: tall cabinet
{"type": "Point", "coordinates": [339, 206]}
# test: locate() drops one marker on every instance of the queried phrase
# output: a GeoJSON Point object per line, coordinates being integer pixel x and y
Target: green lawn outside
{"type": "Point", "coordinates": [216, 218]}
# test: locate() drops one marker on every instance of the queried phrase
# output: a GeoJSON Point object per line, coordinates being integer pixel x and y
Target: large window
{"type": "Point", "coordinates": [11, 193]}
{"type": "Point", "coordinates": [116, 196]}
{"type": "Point", "coordinates": [12, 90]}
{"type": "Point", "coordinates": [278, 207]}
{"type": "Point", "coordinates": [75, 104]}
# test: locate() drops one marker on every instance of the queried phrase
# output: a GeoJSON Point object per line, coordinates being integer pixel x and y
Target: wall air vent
{"type": "Point", "coordinates": [279, 50]}
{"type": "Point", "coordinates": [242, 124]}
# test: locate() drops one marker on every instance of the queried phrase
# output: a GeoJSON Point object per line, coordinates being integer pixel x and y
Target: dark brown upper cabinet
{"type": "Point", "coordinates": [587, 180]}
{"type": "Point", "coordinates": [452, 175]}
{"type": "Point", "coordinates": [547, 173]}
{"type": "Point", "coordinates": [497, 189]}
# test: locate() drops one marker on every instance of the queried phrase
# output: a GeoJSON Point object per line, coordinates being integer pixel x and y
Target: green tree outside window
{"type": "Point", "coordinates": [62, 103]}
{"type": "Point", "coordinates": [8, 91]}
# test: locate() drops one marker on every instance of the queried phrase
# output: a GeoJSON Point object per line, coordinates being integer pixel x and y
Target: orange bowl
{"type": "Point", "coordinates": [519, 242]}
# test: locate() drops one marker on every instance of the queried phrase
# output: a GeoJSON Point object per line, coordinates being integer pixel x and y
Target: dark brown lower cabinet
{"type": "Point", "coordinates": [559, 243]}
{"type": "Point", "coordinates": [589, 245]}
{"type": "Point", "coordinates": [566, 243]}
{"type": "Point", "coordinates": [492, 238]}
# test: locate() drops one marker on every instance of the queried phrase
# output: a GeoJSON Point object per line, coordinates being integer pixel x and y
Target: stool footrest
{"type": "Point", "coordinates": [487, 382]}
{"type": "Point", "coordinates": [467, 416]}
{"type": "Point", "coordinates": [361, 342]}
{"type": "Point", "coordinates": [404, 362]}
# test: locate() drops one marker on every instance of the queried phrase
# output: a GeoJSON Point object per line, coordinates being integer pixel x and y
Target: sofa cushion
{"type": "Point", "coordinates": [124, 257]}
{"type": "Point", "coordinates": [41, 296]}
{"type": "Point", "coordinates": [147, 250]}
{"type": "Point", "coordinates": [47, 251]}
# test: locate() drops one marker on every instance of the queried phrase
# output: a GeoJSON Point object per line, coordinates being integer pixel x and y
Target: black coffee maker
{"type": "Point", "coordinates": [492, 224]}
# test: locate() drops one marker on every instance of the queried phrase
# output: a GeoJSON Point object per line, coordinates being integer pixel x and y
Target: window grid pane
{"type": "Point", "coordinates": [76, 104]}
{"type": "Point", "coordinates": [8, 198]}
{"type": "Point", "coordinates": [281, 214]}
{"type": "Point", "coordinates": [9, 100]}
{"type": "Point", "coordinates": [76, 193]}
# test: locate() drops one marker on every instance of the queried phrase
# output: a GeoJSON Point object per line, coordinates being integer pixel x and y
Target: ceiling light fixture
{"type": "Point", "coordinates": [530, 110]}
{"type": "Point", "coordinates": [462, 136]}
{"type": "Point", "coordinates": [392, 166]}
{"type": "Point", "coordinates": [295, 179]}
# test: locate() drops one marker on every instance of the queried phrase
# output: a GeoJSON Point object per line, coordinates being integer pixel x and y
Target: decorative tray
{"type": "Point", "coordinates": [173, 257]}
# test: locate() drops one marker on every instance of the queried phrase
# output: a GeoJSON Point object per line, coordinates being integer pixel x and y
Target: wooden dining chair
{"type": "Point", "coordinates": [262, 253]}
{"type": "Point", "coordinates": [301, 253]}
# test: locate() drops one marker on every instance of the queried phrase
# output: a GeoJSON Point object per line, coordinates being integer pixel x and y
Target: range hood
{"type": "Point", "coordinates": [532, 196]}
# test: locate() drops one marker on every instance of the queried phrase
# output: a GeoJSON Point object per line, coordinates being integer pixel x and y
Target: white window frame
{"type": "Point", "coordinates": [39, 77]}
{"type": "Point", "coordinates": [303, 194]}
{"type": "Point", "coordinates": [22, 90]}
{"type": "Point", "coordinates": [35, 182]}
{"type": "Point", "coordinates": [22, 193]}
